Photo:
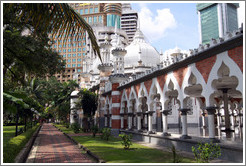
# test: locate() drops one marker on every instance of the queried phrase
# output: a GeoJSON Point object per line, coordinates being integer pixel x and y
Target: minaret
{"type": "Point", "coordinates": [116, 78]}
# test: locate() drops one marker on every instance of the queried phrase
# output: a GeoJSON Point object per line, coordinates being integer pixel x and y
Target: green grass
{"type": "Point", "coordinates": [112, 151]}
{"type": "Point", "coordinates": [65, 130]}
{"type": "Point", "coordinates": [13, 145]}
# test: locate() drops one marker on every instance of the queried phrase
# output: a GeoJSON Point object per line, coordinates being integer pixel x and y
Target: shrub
{"type": "Point", "coordinates": [94, 130]}
{"type": "Point", "coordinates": [106, 132]}
{"type": "Point", "coordinates": [206, 152]}
{"type": "Point", "coordinates": [15, 145]}
{"type": "Point", "coordinates": [126, 140]}
{"type": "Point", "coordinates": [75, 127]}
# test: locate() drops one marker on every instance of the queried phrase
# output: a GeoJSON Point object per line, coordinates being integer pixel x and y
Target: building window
{"type": "Point", "coordinates": [79, 54]}
{"type": "Point", "coordinates": [81, 11]}
{"type": "Point", "coordinates": [79, 70]}
{"type": "Point", "coordinates": [79, 39]}
{"type": "Point", "coordinates": [95, 10]}
{"type": "Point", "coordinates": [74, 44]}
{"type": "Point", "coordinates": [69, 60]}
{"type": "Point", "coordinates": [68, 55]}
{"type": "Point", "coordinates": [79, 49]}
{"type": "Point", "coordinates": [74, 60]}
{"type": "Point", "coordinates": [64, 55]}
{"type": "Point", "coordinates": [83, 49]}
{"type": "Point", "coordinates": [69, 50]}
{"type": "Point", "coordinates": [60, 45]}
{"type": "Point", "coordinates": [90, 19]}
{"type": "Point", "coordinates": [79, 65]}
{"type": "Point", "coordinates": [74, 49]}
{"type": "Point", "coordinates": [91, 10]}
{"type": "Point", "coordinates": [68, 65]}
{"type": "Point", "coordinates": [74, 65]}
{"type": "Point", "coordinates": [74, 55]}
{"type": "Point", "coordinates": [83, 54]}
{"type": "Point", "coordinates": [69, 45]}
{"type": "Point", "coordinates": [64, 45]}
{"type": "Point", "coordinates": [54, 46]}
{"type": "Point", "coordinates": [95, 19]}
{"type": "Point", "coordinates": [84, 44]}
{"type": "Point", "coordinates": [86, 11]}
{"type": "Point", "coordinates": [79, 60]}
{"type": "Point", "coordinates": [79, 44]}
{"type": "Point", "coordinates": [100, 19]}
{"type": "Point", "coordinates": [69, 40]}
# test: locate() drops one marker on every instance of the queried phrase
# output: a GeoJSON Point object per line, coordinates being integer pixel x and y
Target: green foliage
{"type": "Point", "coordinates": [206, 152]}
{"type": "Point", "coordinates": [126, 140]}
{"type": "Point", "coordinates": [94, 130]}
{"type": "Point", "coordinates": [15, 145]}
{"type": "Point", "coordinates": [106, 132]}
{"type": "Point", "coordinates": [75, 127]}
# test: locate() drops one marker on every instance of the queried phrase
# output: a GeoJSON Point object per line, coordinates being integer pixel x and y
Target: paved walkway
{"type": "Point", "coordinates": [51, 146]}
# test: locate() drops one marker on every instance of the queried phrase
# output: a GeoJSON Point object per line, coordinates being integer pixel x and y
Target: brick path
{"type": "Point", "coordinates": [54, 147]}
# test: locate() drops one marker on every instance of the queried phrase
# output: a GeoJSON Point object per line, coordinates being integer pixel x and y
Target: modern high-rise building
{"type": "Point", "coordinates": [215, 19]}
{"type": "Point", "coordinates": [76, 50]}
{"type": "Point", "coordinates": [129, 21]}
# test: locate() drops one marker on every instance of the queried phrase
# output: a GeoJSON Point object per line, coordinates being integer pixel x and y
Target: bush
{"type": "Point", "coordinates": [75, 127]}
{"type": "Point", "coordinates": [94, 130]}
{"type": "Point", "coordinates": [106, 132]}
{"type": "Point", "coordinates": [126, 140]}
{"type": "Point", "coordinates": [206, 152]}
{"type": "Point", "coordinates": [15, 145]}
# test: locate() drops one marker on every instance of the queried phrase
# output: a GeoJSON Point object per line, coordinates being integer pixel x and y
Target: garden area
{"type": "Point", "coordinates": [12, 144]}
{"type": "Point", "coordinates": [113, 149]}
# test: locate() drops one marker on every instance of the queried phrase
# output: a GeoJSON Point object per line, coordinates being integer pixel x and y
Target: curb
{"type": "Point", "coordinates": [23, 154]}
{"type": "Point", "coordinates": [82, 147]}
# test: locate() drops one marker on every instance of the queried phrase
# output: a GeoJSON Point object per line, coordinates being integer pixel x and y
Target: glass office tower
{"type": "Point", "coordinates": [215, 19]}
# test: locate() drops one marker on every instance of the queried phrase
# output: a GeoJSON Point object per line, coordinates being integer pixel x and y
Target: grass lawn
{"type": "Point", "coordinates": [112, 151]}
{"type": "Point", "coordinates": [64, 129]}
{"type": "Point", "coordinates": [13, 145]}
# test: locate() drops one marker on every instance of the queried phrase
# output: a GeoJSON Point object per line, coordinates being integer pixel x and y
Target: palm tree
{"type": "Point", "coordinates": [58, 18]}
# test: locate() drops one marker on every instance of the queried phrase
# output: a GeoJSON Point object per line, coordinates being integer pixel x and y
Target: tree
{"type": "Point", "coordinates": [88, 102]}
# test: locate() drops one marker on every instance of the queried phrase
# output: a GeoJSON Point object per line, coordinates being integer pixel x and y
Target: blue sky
{"type": "Point", "coordinates": [167, 25]}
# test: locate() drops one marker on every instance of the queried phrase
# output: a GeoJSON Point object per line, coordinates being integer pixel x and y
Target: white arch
{"type": "Point", "coordinates": [123, 99]}
{"type": "Point", "coordinates": [234, 71]}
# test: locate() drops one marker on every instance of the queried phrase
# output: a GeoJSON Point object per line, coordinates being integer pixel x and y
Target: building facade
{"type": "Point", "coordinates": [216, 19]}
{"type": "Point", "coordinates": [129, 21]}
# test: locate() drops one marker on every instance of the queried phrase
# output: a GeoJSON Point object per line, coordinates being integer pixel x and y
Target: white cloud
{"type": "Point", "coordinates": [241, 13]}
{"type": "Point", "coordinates": [153, 26]}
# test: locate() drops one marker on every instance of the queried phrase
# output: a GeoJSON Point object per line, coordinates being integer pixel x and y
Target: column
{"type": "Point", "coordinates": [184, 123]}
{"type": "Point", "coordinates": [203, 119]}
{"type": "Point", "coordinates": [122, 120]}
{"type": "Point", "coordinates": [110, 120]}
{"type": "Point", "coordinates": [139, 127]}
{"type": "Point", "coordinates": [218, 119]}
{"type": "Point", "coordinates": [240, 119]}
{"type": "Point", "coordinates": [129, 120]}
{"type": "Point", "coordinates": [106, 120]}
{"type": "Point", "coordinates": [226, 111]}
{"type": "Point", "coordinates": [150, 115]}
{"type": "Point", "coordinates": [211, 127]}
{"type": "Point", "coordinates": [164, 122]}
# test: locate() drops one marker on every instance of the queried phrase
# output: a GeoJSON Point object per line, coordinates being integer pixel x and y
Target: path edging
{"type": "Point", "coordinates": [82, 147]}
{"type": "Point", "coordinates": [23, 154]}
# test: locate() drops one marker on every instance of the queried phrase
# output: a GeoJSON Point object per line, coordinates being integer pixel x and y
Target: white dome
{"type": "Point", "coordinates": [74, 93]}
{"type": "Point", "coordinates": [139, 49]}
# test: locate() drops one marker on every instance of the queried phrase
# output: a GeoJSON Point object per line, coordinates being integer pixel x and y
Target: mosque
{"type": "Point", "coordinates": [156, 96]}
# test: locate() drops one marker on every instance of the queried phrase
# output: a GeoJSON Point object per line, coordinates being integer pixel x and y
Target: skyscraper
{"type": "Point", "coordinates": [215, 19]}
{"type": "Point", "coordinates": [129, 20]}
{"type": "Point", "coordinates": [75, 50]}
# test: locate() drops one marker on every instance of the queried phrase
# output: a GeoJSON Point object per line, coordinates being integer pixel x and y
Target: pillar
{"type": "Point", "coordinates": [203, 119]}
{"type": "Point", "coordinates": [211, 126]}
{"type": "Point", "coordinates": [165, 123]}
{"type": "Point", "coordinates": [226, 111]}
{"type": "Point", "coordinates": [122, 120]}
{"type": "Point", "coordinates": [184, 123]}
{"type": "Point", "coordinates": [129, 120]}
{"type": "Point", "coordinates": [139, 127]}
{"type": "Point", "coordinates": [106, 120]}
{"type": "Point", "coordinates": [150, 115]}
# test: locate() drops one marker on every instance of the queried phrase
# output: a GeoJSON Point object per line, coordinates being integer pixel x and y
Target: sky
{"type": "Point", "coordinates": [170, 25]}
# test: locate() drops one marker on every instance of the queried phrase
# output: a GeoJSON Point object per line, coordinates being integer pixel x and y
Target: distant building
{"type": "Point", "coordinates": [216, 19]}
{"type": "Point", "coordinates": [129, 20]}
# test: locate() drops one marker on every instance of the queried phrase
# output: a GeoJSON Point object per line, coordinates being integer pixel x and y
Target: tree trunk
{"type": "Point", "coordinates": [16, 124]}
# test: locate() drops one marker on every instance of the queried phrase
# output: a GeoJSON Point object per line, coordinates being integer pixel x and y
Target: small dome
{"type": "Point", "coordinates": [138, 50]}
{"type": "Point", "coordinates": [75, 93]}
